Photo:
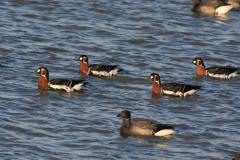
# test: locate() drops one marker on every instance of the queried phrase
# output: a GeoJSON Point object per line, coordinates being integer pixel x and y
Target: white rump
{"type": "Point", "coordinates": [164, 132]}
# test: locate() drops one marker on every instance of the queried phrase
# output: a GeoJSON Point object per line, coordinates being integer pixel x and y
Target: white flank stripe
{"type": "Point", "coordinates": [168, 92]}
{"type": "Point", "coordinates": [189, 92]}
{"type": "Point", "coordinates": [223, 9]}
{"type": "Point", "coordinates": [77, 87]}
{"type": "Point", "coordinates": [234, 74]}
{"type": "Point", "coordinates": [164, 132]}
{"type": "Point", "coordinates": [173, 93]}
{"type": "Point", "coordinates": [179, 93]}
{"type": "Point", "coordinates": [66, 88]}
{"type": "Point", "coordinates": [104, 73]}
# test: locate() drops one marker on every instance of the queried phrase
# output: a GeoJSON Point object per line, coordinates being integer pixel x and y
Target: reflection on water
{"type": "Point", "coordinates": [165, 140]}
{"type": "Point", "coordinates": [43, 92]}
{"type": "Point", "coordinates": [154, 95]}
{"type": "Point", "coordinates": [200, 76]}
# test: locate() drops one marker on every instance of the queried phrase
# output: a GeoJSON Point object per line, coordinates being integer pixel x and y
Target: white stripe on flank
{"type": "Point", "coordinates": [104, 73]}
{"type": "Point", "coordinates": [164, 132]}
{"type": "Point", "coordinates": [77, 87]}
{"type": "Point", "coordinates": [179, 93]}
{"type": "Point", "coordinates": [169, 92]}
{"type": "Point", "coordinates": [234, 74]}
{"type": "Point", "coordinates": [189, 92]}
{"type": "Point", "coordinates": [173, 93]}
{"type": "Point", "coordinates": [66, 88]}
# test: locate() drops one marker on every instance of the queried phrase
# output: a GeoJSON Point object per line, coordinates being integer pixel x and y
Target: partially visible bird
{"type": "Point", "coordinates": [219, 72]}
{"type": "Point", "coordinates": [211, 7]}
{"type": "Point", "coordinates": [64, 84]}
{"type": "Point", "coordinates": [237, 157]}
{"type": "Point", "coordinates": [97, 69]}
{"type": "Point", "coordinates": [234, 3]}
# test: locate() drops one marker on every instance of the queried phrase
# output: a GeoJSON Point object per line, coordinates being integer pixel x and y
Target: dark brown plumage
{"type": "Point", "coordinates": [143, 127]}
{"type": "Point", "coordinates": [211, 7]}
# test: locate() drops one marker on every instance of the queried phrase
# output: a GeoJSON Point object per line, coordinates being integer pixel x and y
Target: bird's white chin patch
{"type": "Point", "coordinates": [105, 74]}
{"type": "Point", "coordinates": [234, 74]}
{"type": "Point", "coordinates": [164, 132]}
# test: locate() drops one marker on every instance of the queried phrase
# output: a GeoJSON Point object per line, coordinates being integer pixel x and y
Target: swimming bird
{"type": "Point", "coordinates": [68, 85]}
{"type": "Point", "coordinates": [234, 3]}
{"type": "Point", "coordinates": [97, 69]}
{"type": "Point", "coordinates": [143, 127]}
{"type": "Point", "coordinates": [237, 157]}
{"type": "Point", "coordinates": [171, 88]}
{"type": "Point", "coordinates": [219, 72]}
{"type": "Point", "coordinates": [211, 7]}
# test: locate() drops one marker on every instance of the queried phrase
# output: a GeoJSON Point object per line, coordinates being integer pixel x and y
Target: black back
{"type": "Point", "coordinates": [66, 82]}
{"type": "Point", "coordinates": [97, 67]}
{"type": "Point", "coordinates": [179, 87]}
{"type": "Point", "coordinates": [221, 70]}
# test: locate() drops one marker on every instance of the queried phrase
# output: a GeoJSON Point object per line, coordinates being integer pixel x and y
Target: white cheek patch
{"type": "Point", "coordinates": [38, 70]}
{"type": "Point", "coordinates": [80, 58]}
{"type": "Point", "coordinates": [194, 61]}
{"type": "Point", "coordinates": [151, 77]}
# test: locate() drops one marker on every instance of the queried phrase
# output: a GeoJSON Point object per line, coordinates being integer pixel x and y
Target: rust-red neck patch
{"type": "Point", "coordinates": [201, 70]}
{"type": "Point", "coordinates": [84, 68]}
{"type": "Point", "coordinates": [42, 82]}
{"type": "Point", "coordinates": [156, 88]}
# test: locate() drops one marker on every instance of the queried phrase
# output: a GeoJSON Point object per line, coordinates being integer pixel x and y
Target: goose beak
{"type": "Point", "coordinates": [118, 115]}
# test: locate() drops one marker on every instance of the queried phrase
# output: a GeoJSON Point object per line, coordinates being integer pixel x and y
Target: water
{"type": "Point", "coordinates": [142, 37]}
